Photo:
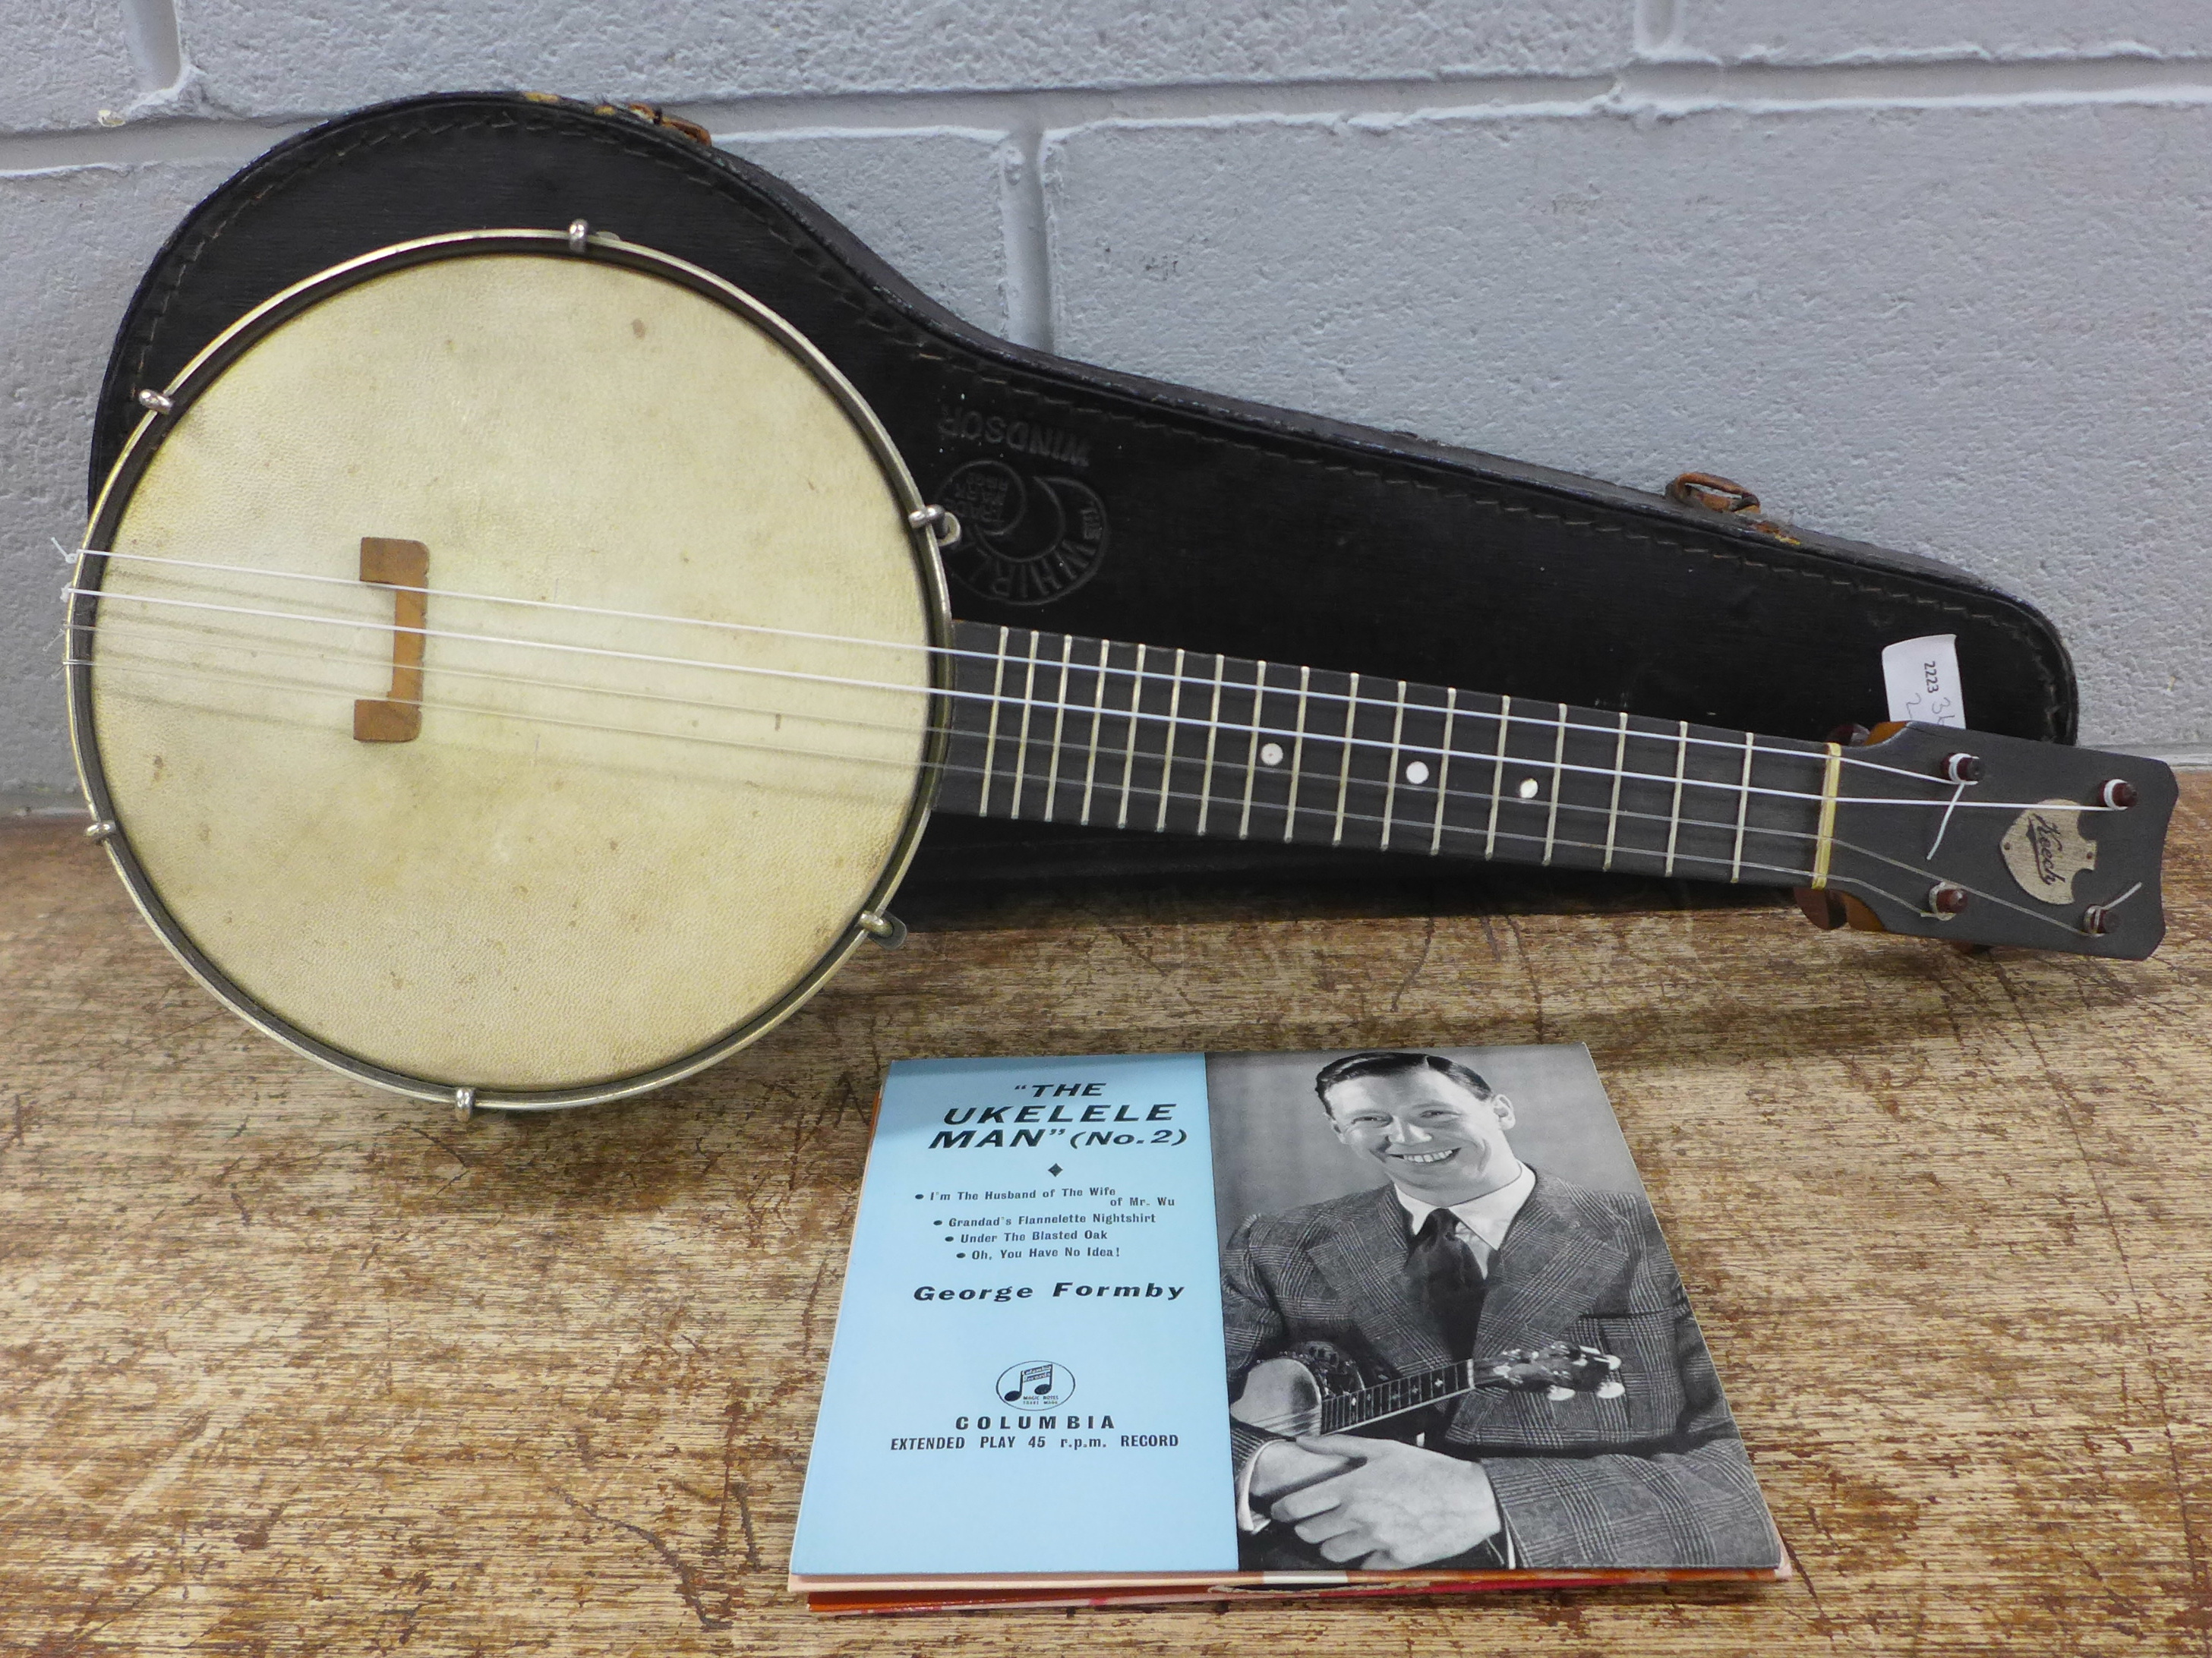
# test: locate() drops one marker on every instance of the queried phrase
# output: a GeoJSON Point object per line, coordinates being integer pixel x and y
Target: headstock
{"type": "Point", "coordinates": [1560, 1370]}
{"type": "Point", "coordinates": [1946, 833]}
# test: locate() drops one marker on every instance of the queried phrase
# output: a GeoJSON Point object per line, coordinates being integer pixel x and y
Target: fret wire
{"type": "Point", "coordinates": [1028, 703]}
{"type": "Point", "coordinates": [1742, 808]}
{"type": "Point", "coordinates": [1559, 754]}
{"type": "Point", "coordinates": [1344, 771]}
{"type": "Point", "coordinates": [1674, 817]}
{"type": "Point", "coordinates": [1730, 743]}
{"type": "Point", "coordinates": [1398, 1394]}
{"type": "Point", "coordinates": [1810, 798]}
{"type": "Point", "coordinates": [1390, 791]}
{"type": "Point", "coordinates": [1445, 794]}
{"type": "Point", "coordinates": [1252, 748]}
{"type": "Point", "coordinates": [1213, 731]}
{"type": "Point", "coordinates": [1443, 771]}
{"type": "Point", "coordinates": [1788, 874]}
{"type": "Point", "coordinates": [1097, 716]}
{"type": "Point", "coordinates": [1619, 760]}
{"type": "Point", "coordinates": [991, 742]}
{"type": "Point", "coordinates": [1812, 754]}
{"type": "Point", "coordinates": [1498, 773]}
{"type": "Point", "coordinates": [1813, 750]}
{"type": "Point", "coordinates": [1253, 730]}
{"type": "Point", "coordinates": [1129, 755]}
{"type": "Point", "coordinates": [1297, 754]}
{"type": "Point", "coordinates": [1059, 722]}
{"type": "Point", "coordinates": [1167, 760]}
{"type": "Point", "coordinates": [1795, 875]}
{"type": "Point", "coordinates": [1492, 834]}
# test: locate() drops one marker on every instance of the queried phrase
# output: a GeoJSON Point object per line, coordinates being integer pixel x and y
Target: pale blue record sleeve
{"type": "Point", "coordinates": [1027, 1374]}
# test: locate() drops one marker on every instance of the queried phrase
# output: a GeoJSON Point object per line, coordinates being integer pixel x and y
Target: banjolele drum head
{"type": "Point", "coordinates": [511, 674]}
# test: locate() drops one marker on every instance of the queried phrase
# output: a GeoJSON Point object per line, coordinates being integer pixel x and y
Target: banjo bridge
{"type": "Point", "coordinates": [405, 567]}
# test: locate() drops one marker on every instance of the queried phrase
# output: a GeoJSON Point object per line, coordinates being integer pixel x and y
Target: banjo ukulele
{"type": "Point", "coordinates": [513, 668]}
{"type": "Point", "coordinates": [1317, 1388]}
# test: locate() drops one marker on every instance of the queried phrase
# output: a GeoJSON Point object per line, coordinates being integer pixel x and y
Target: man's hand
{"type": "Point", "coordinates": [1397, 1506]}
{"type": "Point", "coordinates": [1282, 1466]}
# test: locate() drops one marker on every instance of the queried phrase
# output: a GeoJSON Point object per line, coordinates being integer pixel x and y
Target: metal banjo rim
{"type": "Point", "coordinates": [166, 405]}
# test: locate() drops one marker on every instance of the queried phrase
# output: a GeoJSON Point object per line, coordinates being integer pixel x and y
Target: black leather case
{"type": "Point", "coordinates": [1103, 504]}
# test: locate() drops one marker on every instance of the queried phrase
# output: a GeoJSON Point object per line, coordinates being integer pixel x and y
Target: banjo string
{"type": "Point", "coordinates": [1132, 673]}
{"type": "Point", "coordinates": [160, 667]}
{"type": "Point", "coordinates": [1254, 731]}
{"type": "Point", "coordinates": [1790, 874]}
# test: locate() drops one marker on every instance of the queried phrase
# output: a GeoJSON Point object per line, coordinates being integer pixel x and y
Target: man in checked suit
{"type": "Point", "coordinates": [1467, 1251]}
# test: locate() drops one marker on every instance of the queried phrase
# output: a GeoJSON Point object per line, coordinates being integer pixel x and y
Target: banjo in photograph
{"type": "Point", "coordinates": [513, 668]}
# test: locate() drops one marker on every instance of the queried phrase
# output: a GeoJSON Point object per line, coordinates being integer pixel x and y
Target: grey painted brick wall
{"type": "Point", "coordinates": [260, 59]}
{"type": "Point", "coordinates": [62, 62]}
{"type": "Point", "coordinates": [1928, 272]}
{"type": "Point", "coordinates": [1791, 32]}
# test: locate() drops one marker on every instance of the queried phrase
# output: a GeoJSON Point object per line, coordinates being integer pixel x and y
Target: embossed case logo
{"type": "Point", "coordinates": [2046, 849]}
{"type": "Point", "coordinates": [1027, 538]}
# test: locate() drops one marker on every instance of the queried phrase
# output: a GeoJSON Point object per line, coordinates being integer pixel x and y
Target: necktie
{"type": "Point", "coordinates": [1448, 1279]}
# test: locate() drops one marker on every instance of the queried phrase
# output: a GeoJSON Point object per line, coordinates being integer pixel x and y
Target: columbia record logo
{"type": "Point", "coordinates": [1026, 538]}
{"type": "Point", "coordinates": [1036, 1381]}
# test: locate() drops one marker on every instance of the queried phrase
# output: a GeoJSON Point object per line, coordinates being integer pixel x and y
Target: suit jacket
{"type": "Point", "coordinates": [1656, 1477]}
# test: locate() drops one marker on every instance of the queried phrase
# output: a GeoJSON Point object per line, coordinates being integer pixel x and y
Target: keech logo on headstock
{"type": "Point", "coordinates": [2046, 849]}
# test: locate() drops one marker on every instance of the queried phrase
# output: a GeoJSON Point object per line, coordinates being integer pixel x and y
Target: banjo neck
{"type": "Point", "coordinates": [1343, 1412]}
{"type": "Point", "coordinates": [1053, 728]}
{"type": "Point", "coordinates": [1912, 834]}
{"type": "Point", "coordinates": [1317, 1388]}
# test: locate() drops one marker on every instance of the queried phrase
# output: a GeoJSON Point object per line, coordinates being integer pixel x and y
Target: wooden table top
{"type": "Point", "coordinates": [290, 1367]}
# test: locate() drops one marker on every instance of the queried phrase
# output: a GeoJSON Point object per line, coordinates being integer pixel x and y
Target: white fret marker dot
{"type": "Point", "coordinates": [1416, 773]}
{"type": "Point", "coordinates": [1271, 754]}
{"type": "Point", "coordinates": [1528, 788]}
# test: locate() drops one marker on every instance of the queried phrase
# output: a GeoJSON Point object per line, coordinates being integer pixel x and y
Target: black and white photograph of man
{"type": "Point", "coordinates": [1411, 1209]}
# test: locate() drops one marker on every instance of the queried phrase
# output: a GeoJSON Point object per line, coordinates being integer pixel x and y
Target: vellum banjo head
{"type": "Point", "coordinates": [646, 755]}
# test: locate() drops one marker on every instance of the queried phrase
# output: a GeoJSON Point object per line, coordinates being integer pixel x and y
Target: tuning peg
{"type": "Point", "coordinates": [1559, 1395]}
{"type": "Point", "coordinates": [1610, 1389]}
{"type": "Point", "coordinates": [1947, 898]}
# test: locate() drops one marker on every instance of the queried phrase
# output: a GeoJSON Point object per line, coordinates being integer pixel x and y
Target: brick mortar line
{"type": "Point", "coordinates": [155, 43]}
{"type": "Point", "coordinates": [1670, 88]}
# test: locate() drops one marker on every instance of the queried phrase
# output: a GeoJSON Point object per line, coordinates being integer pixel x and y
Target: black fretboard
{"type": "Point", "coordinates": [1341, 1412]}
{"type": "Point", "coordinates": [1056, 728]}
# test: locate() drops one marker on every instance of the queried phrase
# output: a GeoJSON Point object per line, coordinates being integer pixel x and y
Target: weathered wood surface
{"type": "Point", "coordinates": [293, 1368]}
